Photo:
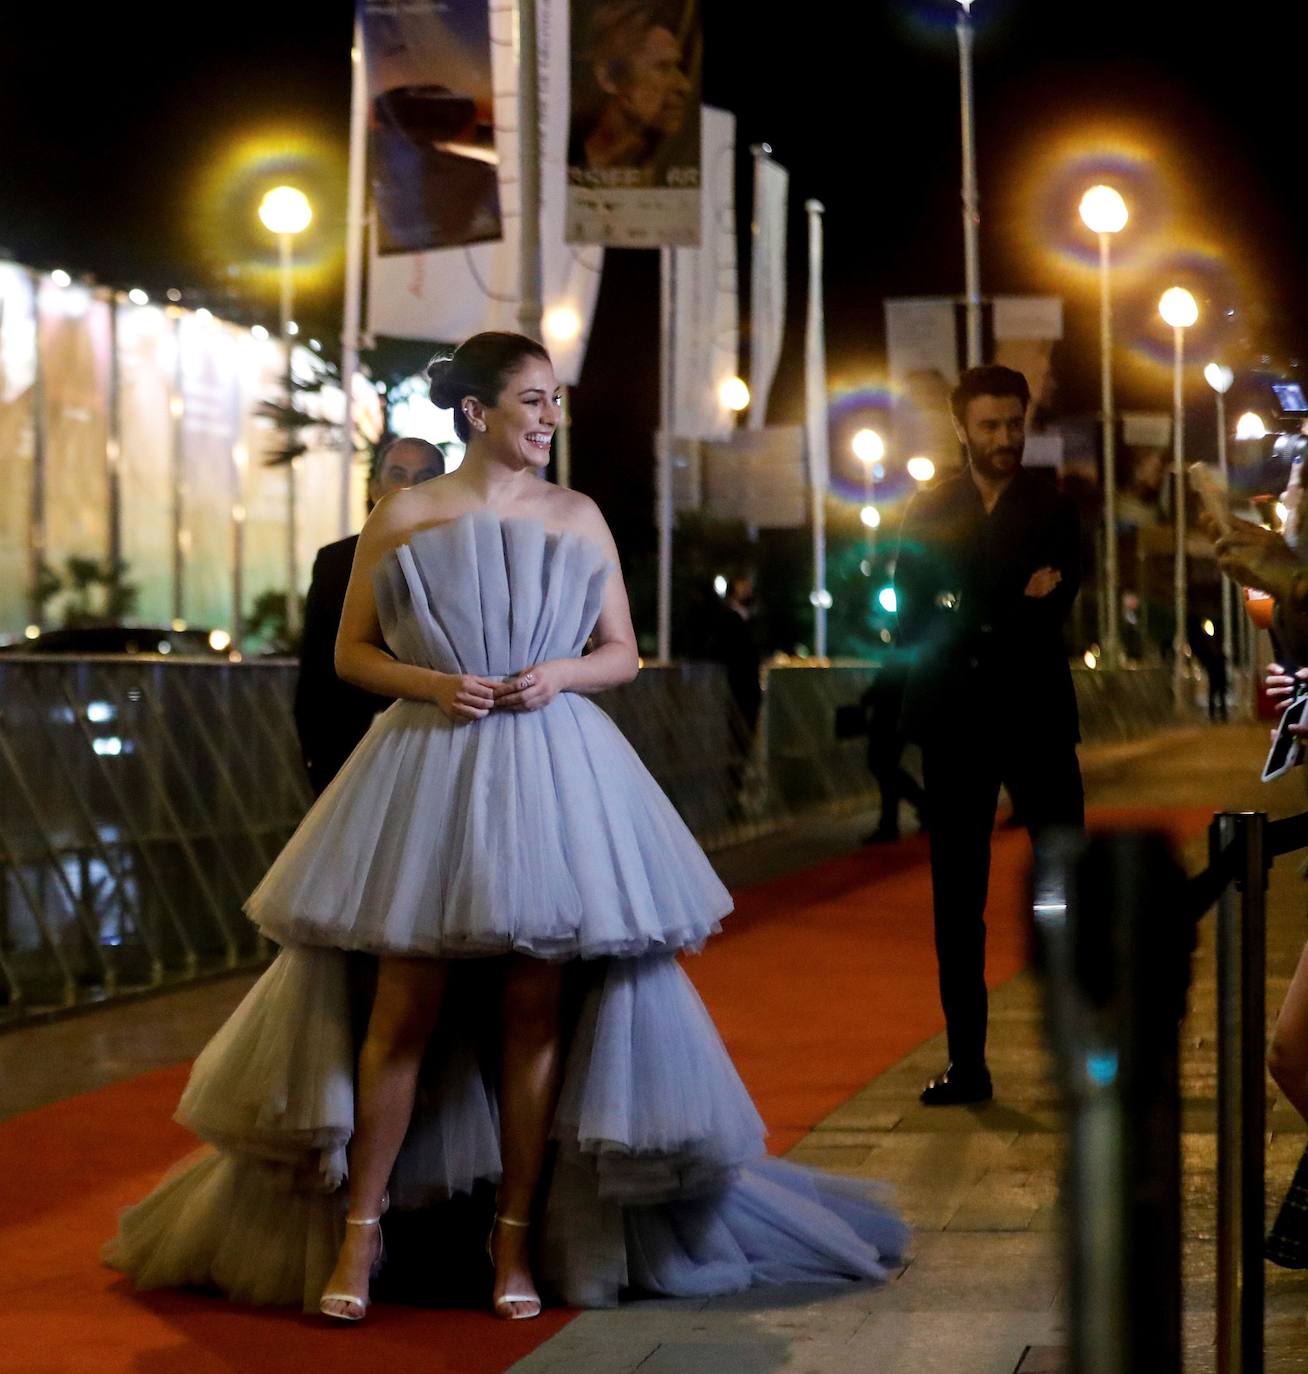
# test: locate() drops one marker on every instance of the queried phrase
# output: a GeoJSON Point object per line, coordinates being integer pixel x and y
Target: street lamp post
{"type": "Point", "coordinates": [971, 207]}
{"type": "Point", "coordinates": [285, 211]}
{"type": "Point", "coordinates": [869, 448]}
{"type": "Point", "coordinates": [1103, 212]}
{"type": "Point", "coordinates": [1178, 309]}
{"type": "Point", "coordinates": [1220, 379]}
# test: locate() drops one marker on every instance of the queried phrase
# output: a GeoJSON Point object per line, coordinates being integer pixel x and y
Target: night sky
{"type": "Point", "coordinates": [122, 142]}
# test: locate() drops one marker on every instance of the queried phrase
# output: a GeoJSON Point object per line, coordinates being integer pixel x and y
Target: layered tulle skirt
{"type": "Point", "coordinates": [536, 832]}
{"type": "Point", "coordinates": [658, 1182]}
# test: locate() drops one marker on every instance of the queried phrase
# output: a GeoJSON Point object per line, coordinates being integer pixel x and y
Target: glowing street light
{"type": "Point", "coordinates": [285, 211]}
{"type": "Point", "coordinates": [1250, 425]}
{"type": "Point", "coordinates": [561, 324]}
{"type": "Point", "coordinates": [921, 468]}
{"type": "Point", "coordinates": [733, 394]}
{"type": "Point", "coordinates": [1178, 307]}
{"type": "Point", "coordinates": [869, 448]}
{"type": "Point", "coordinates": [1104, 212]}
{"type": "Point", "coordinates": [1220, 379]}
{"type": "Point", "coordinates": [1180, 310]}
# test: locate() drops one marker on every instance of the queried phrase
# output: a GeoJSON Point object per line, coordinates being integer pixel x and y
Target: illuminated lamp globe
{"type": "Point", "coordinates": [869, 447]}
{"type": "Point", "coordinates": [1103, 211]}
{"type": "Point", "coordinates": [219, 641]}
{"type": "Point", "coordinates": [870, 516]}
{"type": "Point", "coordinates": [1250, 426]}
{"type": "Point", "coordinates": [285, 210]}
{"type": "Point", "coordinates": [734, 394]}
{"type": "Point", "coordinates": [561, 324]}
{"type": "Point", "coordinates": [921, 469]}
{"type": "Point", "coordinates": [1178, 307]}
{"type": "Point", "coordinates": [1219, 378]}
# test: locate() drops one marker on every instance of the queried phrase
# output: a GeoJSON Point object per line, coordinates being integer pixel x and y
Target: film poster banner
{"type": "Point", "coordinates": [147, 365]}
{"type": "Point", "coordinates": [431, 129]}
{"type": "Point", "coordinates": [445, 295]}
{"type": "Point", "coordinates": [211, 419]}
{"type": "Point", "coordinates": [75, 340]}
{"type": "Point", "coordinates": [17, 440]}
{"type": "Point", "coordinates": [633, 130]}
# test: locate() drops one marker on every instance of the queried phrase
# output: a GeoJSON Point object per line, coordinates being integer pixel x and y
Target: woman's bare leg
{"type": "Point", "coordinates": [404, 1014]}
{"type": "Point", "coordinates": [529, 1088]}
{"type": "Point", "coordinates": [1287, 1057]}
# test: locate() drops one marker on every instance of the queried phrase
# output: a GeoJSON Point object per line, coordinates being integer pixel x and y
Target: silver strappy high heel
{"type": "Point", "coordinates": [500, 1305]}
{"type": "Point", "coordinates": [353, 1300]}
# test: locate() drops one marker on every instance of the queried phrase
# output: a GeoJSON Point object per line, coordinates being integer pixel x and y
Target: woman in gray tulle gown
{"type": "Point", "coordinates": [493, 813]}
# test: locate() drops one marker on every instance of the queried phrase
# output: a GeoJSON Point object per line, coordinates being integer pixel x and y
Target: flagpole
{"type": "Point", "coordinates": [663, 458]}
{"type": "Point", "coordinates": [815, 410]}
{"type": "Point", "coordinates": [354, 229]}
{"type": "Point", "coordinates": [756, 417]}
{"type": "Point", "coordinates": [530, 287]}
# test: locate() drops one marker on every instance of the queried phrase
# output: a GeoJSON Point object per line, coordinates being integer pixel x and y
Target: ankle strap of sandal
{"type": "Point", "coordinates": [510, 1221]}
{"type": "Point", "coordinates": [362, 1221]}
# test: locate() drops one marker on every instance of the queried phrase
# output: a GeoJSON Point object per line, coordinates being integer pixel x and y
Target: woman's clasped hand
{"type": "Point", "coordinates": [466, 696]}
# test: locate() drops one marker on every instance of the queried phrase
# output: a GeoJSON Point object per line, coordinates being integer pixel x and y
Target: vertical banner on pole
{"type": "Point", "coordinates": [706, 304]}
{"type": "Point", "coordinates": [210, 426]}
{"type": "Point", "coordinates": [263, 495]}
{"type": "Point", "coordinates": [431, 124]}
{"type": "Point", "coordinates": [17, 440]}
{"type": "Point", "coordinates": [767, 288]}
{"type": "Point", "coordinates": [146, 363]}
{"type": "Point", "coordinates": [633, 136]}
{"type": "Point", "coordinates": [815, 411]}
{"type": "Point", "coordinates": [445, 295]}
{"type": "Point", "coordinates": [74, 340]}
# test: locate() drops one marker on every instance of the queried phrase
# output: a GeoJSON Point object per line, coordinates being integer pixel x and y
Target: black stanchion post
{"type": "Point", "coordinates": [1116, 958]}
{"type": "Point", "coordinates": [1241, 1092]}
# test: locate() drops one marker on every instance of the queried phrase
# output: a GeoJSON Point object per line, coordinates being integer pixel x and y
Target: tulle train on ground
{"type": "Point", "coordinates": [660, 1182]}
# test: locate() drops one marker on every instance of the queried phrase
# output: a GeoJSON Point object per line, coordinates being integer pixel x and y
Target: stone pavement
{"type": "Point", "coordinates": [982, 1291]}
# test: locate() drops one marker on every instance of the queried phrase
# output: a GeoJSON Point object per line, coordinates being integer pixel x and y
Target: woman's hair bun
{"type": "Point", "coordinates": [445, 391]}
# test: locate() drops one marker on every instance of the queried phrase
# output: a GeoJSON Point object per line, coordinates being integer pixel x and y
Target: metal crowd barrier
{"type": "Point", "coordinates": [141, 799]}
{"type": "Point", "coordinates": [1116, 928]}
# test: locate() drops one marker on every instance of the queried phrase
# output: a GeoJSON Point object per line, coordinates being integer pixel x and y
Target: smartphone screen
{"type": "Point", "coordinates": [1287, 750]}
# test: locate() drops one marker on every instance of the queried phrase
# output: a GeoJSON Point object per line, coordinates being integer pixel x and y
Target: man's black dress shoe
{"type": "Point", "coordinates": [958, 1088]}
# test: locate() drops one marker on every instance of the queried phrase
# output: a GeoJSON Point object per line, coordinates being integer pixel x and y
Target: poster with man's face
{"type": "Point", "coordinates": [633, 133]}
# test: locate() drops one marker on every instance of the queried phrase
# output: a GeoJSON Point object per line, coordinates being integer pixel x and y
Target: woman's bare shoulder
{"type": "Point", "coordinates": [576, 512]}
{"type": "Point", "coordinates": [400, 514]}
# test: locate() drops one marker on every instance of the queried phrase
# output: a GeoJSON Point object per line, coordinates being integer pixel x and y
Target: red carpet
{"type": "Point", "coordinates": [822, 981]}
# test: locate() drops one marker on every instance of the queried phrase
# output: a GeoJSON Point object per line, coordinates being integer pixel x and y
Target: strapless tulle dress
{"type": "Point", "coordinates": [537, 833]}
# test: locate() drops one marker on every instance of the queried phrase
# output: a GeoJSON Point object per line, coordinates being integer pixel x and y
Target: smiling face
{"type": "Point", "coordinates": [521, 423]}
{"type": "Point", "coordinates": [994, 430]}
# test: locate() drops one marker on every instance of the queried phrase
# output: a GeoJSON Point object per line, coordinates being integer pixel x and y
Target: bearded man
{"type": "Point", "coordinates": [987, 570]}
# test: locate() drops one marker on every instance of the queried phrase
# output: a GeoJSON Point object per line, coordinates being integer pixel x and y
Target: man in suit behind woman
{"type": "Point", "coordinates": [331, 716]}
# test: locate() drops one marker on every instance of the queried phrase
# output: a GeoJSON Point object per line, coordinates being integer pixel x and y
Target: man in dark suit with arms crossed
{"type": "Point", "coordinates": [331, 716]}
{"type": "Point", "coordinates": [987, 571]}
